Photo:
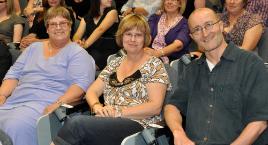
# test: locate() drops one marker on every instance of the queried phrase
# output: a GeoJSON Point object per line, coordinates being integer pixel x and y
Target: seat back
{"type": "Point", "coordinates": [47, 128]}
{"type": "Point", "coordinates": [5, 139]}
{"type": "Point", "coordinates": [263, 46]}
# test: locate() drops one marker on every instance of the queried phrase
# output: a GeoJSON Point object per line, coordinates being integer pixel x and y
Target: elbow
{"type": "Point", "coordinates": [264, 125]}
{"type": "Point", "coordinates": [178, 45]}
{"type": "Point", "coordinates": [156, 110]}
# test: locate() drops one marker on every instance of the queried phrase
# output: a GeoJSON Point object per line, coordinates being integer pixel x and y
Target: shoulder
{"type": "Point", "coordinates": [110, 10]}
{"type": "Point", "coordinates": [154, 17]}
{"type": "Point", "coordinates": [17, 19]}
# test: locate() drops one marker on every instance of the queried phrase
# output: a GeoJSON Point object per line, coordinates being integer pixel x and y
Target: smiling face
{"type": "Point", "coordinates": [172, 6]}
{"type": "Point", "coordinates": [206, 29]}
{"type": "Point", "coordinates": [58, 28]}
{"type": "Point", "coordinates": [54, 3]}
{"type": "Point", "coordinates": [133, 40]}
{"type": "Point", "coordinates": [234, 6]}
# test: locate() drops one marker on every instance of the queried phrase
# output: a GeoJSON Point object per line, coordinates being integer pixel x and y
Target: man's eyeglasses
{"type": "Point", "coordinates": [208, 26]}
{"type": "Point", "coordinates": [3, 1]}
{"type": "Point", "coordinates": [60, 24]}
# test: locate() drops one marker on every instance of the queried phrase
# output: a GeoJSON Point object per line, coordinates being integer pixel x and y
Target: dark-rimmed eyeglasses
{"type": "Point", "coordinates": [208, 26]}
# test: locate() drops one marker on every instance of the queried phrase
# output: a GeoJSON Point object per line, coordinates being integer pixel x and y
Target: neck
{"type": "Point", "coordinates": [102, 10]}
{"type": "Point", "coordinates": [3, 14]}
{"type": "Point", "coordinates": [171, 16]}
{"type": "Point", "coordinates": [214, 56]}
{"type": "Point", "coordinates": [134, 58]}
{"type": "Point", "coordinates": [234, 16]}
{"type": "Point", "coordinates": [58, 44]}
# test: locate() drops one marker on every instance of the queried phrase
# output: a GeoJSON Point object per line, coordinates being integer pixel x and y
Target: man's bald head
{"type": "Point", "coordinates": [201, 13]}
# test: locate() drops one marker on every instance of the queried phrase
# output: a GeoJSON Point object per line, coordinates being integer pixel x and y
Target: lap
{"type": "Point", "coordinates": [96, 130]}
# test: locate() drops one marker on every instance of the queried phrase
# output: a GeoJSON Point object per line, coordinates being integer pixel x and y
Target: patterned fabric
{"type": "Point", "coordinates": [163, 29]}
{"type": "Point", "coordinates": [135, 92]}
{"type": "Point", "coordinates": [245, 22]}
{"type": "Point", "coordinates": [259, 7]}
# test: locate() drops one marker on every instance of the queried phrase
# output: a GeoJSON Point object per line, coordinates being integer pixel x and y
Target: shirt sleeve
{"type": "Point", "coordinates": [15, 71]}
{"type": "Point", "coordinates": [81, 69]}
{"type": "Point", "coordinates": [255, 87]}
{"type": "Point", "coordinates": [156, 72]}
{"type": "Point", "coordinates": [183, 33]}
{"type": "Point", "coordinates": [180, 96]}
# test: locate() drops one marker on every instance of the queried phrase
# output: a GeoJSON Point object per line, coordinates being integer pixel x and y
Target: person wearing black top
{"type": "Point", "coordinates": [38, 30]}
{"type": "Point", "coordinates": [96, 31]}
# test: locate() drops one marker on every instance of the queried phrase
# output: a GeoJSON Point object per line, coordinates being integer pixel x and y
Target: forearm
{"type": "Point", "coordinates": [141, 111]}
{"type": "Point", "coordinates": [173, 118]}
{"type": "Point", "coordinates": [8, 86]}
{"type": "Point", "coordinates": [93, 37]}
{"type": "Point", "coordinates": [250, 133]}
{"type": "Point", "coordinates": [176, 46]}
{"type": "Point", "coordinates": [18, 28]}
{"type": "Point", "coordinates": [73, 94]}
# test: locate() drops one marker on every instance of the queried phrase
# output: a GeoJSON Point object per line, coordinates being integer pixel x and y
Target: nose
{"type": "Point", "coordinates": [133, 37]}
{"type": "Point", "coordinates": [205, 32]}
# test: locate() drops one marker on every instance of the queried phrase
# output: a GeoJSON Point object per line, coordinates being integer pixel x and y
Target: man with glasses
{"type": "Point", "coordinates": [223, 94]}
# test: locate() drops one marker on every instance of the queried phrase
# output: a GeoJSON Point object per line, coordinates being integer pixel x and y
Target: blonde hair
{"type": "Point", "coordinates": [182, 8]}
{"type": "Point", "coordinates": [133, 21]}
{"type": "Point", "coordinates": [57, 11]}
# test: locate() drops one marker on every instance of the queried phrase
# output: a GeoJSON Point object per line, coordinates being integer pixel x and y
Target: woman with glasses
{"type": "Point", "coordinates": [45, 76]}
{"type": "Point", "coordinates": [133, 87]}
{"type": "Point", "coordinates": [96, 31]}
{"type": "Point", "coordinates": [38, 30]}
{"type": "Point", "coordinates": [169, 31]}
{"type": "Point", "coordinates": [241, 27]}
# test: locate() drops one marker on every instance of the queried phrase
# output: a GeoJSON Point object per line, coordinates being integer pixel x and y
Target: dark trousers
{"type": "Point", "coordinates": [90, 130]}
{"type": "Point", "coordinates": [5, 139]}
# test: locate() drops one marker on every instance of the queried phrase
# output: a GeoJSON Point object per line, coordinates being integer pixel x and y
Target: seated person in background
{"type": "Point", "coordinates": [223, 94]}
{"type": "Point", "coordinates": [216, 5]}
{"type": "Point", "coordinates": [46, 75]}
{"type": "Point", "coordinates": [119, 4]}
{"type": "Point", "coordinates": [169, 31]}
{"type": "Point", "coordinates": [33, 7]}
{"type": "Point", "coordinates": [80, 7]}
{"type": "Point", "coordinates": [241, 27]}
{"type": "Point", "coordinates": [5, 59]}
{"type": "Point", "coordinates": [99, 28]}
{"type": "Point", "coordinates": [259, 7]}
{"type": "Point", "coordinates": [10, 22]}
{"type": "Point", "coordinates": [142, 7]}
{"type": "Point", "coordinates": [38, 31]}
{"type": "Point", "coordinates": [133, 87]}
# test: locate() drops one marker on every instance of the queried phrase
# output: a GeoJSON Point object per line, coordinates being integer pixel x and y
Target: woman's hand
{"type": "Point", "coordinates": [106, 111]}
{"type": "Point", "coordinates": [152, 52]}
{"type": "Point", "coordinates": [27, 40]}
{"type": "Point", "coordinates": [80, 42]}
{"type": "Point", "coordinates": [51, 108]}
{"type": "Point", "coordinates": [2, 99]}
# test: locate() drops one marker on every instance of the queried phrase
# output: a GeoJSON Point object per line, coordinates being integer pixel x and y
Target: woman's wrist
{"type": "Point", "coordinates": [94, 105]}
{"type": "Point", "coordinates": [118, 112]}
